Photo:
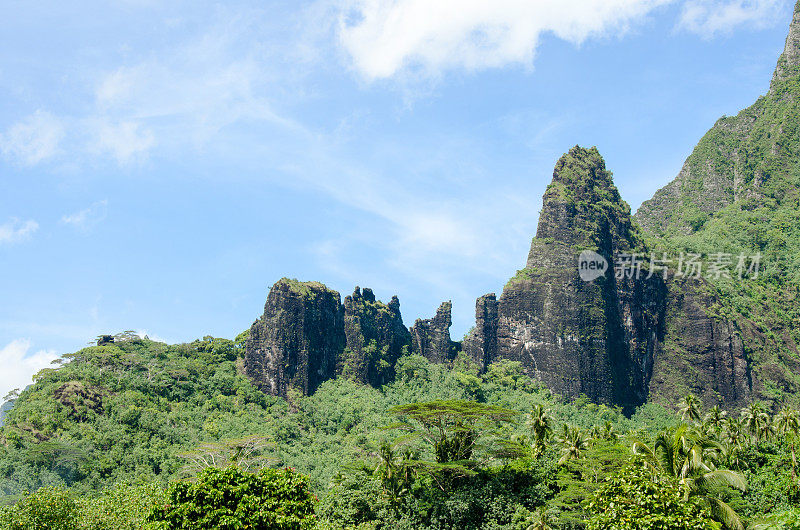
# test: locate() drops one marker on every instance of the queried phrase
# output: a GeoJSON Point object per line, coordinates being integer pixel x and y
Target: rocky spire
{"type": "Point", "coordinates": [376, 338]}
{"type": "Point", "coordinates": [480, 344]}
{"type": "Point", "coordinates": [307, 336]}
{"type": "Point", "coordinates": [297, 341]}
{"type": "Point", "coordinates": [430, 337]}
{"type": "Point", "coordinates": [789, 61]}
{"type": "Point", "coordinates": [580, 337]}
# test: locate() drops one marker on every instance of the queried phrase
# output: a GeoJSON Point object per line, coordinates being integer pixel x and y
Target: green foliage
{"type": "Point", "coordinates": [739, 195]}
{"type": "Point", "coordinates": [119, 508]}
{"type": "Point", "coordinates": [232, 498]}
{"type": "Point", "coordinates": [634, 500]}
{"type": "Point", "coordinates": [135, 411]}
{"type": "Point", "coordinates": [124, 412]}
{"type": "Point", "coordinates": [788, 520]}
{"type": "Point", "coordinates": [47, 509]}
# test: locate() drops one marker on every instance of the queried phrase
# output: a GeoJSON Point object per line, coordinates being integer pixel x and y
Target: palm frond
{"type": "Point", "coordinates": [723, 513]}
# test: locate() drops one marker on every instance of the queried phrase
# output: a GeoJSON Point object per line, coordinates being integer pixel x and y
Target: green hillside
{"type": "Point", "coordinates": [119, 424]}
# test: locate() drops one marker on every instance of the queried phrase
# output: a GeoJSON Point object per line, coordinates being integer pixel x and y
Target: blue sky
{"type": "Point", "coordinates": [162, 164]}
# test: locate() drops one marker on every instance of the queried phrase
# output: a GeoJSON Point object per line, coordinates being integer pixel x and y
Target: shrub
{"type": "Point", "coordinates": [636, 500]}
{"type": "Point", "coordinates": [47, 509]}
{"type": "Point", "coordinates": [231, 498]}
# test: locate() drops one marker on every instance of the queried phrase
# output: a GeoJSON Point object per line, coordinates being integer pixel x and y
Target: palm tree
{"type": "Point", "coordinates": [754, 417]}
{"type": "Point", "coordinates": [595, 433]}
{"type": "Point", "coordinates": [787, 422]}
{"type": "Point", "coordinates": [609, 433]}
{"type": "Point", "coordinates": [541, 426]}
{"type": "Point", "coordinates": [732, 438]}
{"type": "Point", "coordinates": [768, 431]}
{"type": "Point", "coordinates": [687, 455]}
{"type": "Point", "coordinates": [733, 431]}
{"type": "Point", "coordinates": [714, 419]}
{"type": "Point", "coordinates": [540, 521]}
{"type": "Point", "coordinates": [574, 443]}
{"type": "Point", "coordinates": [394, 470]}
{"type": "Point", "coordinates": [689, 407]}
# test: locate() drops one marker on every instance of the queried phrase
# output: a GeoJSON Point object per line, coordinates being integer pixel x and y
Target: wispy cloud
{"type": "Point", "coordinates": [16, 230]}
{"type": "Point", "coordinates": [20, 365]}
{"type": "Point", "coordinates": [709, 18]}
{"type": "Point", "coordinates": [85, 219]}
{"type": "Point", "coordinates": [33, 139]}
{"type": "Point", "coordinates": [125, 141]}
{"type": "Point", "coordinates": [144, 333]}
{"type": "Point", "coordinates": [188, 95]}
{"type": "Point", "coordinates": [178, 99]}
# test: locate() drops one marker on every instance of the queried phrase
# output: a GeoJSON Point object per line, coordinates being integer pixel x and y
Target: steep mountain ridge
{"type": "Point", "coordinates": [738, 193]}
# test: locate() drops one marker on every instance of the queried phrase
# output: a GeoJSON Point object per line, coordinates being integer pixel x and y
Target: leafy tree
{"type": "Point", "coordinates": [47, 509]}
{"type": "Point", "coordinates": [231, 498]}
{"type": "Point", "coordinates": [452, 428]}
{"type": "Point", "coordinates": [788, 520]}
{"type": "Point", "coordinates": [245, 453]}
{"type": "Point", "coordinates": [634, 500]}
{"type": "Point", "coordinates": [525, 519]}
{"type": "Point", "coordinates": [119, 508]}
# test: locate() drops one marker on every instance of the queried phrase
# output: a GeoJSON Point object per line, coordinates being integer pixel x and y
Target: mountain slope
{"type": "Point", "coordinates": [738, 193]}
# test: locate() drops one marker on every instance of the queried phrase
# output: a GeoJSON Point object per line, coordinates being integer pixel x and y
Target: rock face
{"type": "Point", "coordinates": [298, 340]}
{"type": "Point", "coordinates": [742, 159]}
{"type": "Point", "coordinates": [375, 338]}
{"type": "Point", "coordinates": [595, 338]}
{"type": "Point", "coordinates": [430, 337]}
{"type": "Point", "coordinates": [307, 336]}
{"type": "Point", "coordinates": [701, 354]}
{"type": "Point", "coordinates": [480, 345]}
{"type": "Point", "coordinates": [615, 338]}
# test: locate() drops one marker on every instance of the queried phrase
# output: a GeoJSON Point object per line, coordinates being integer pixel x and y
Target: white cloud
{"type": "Point", "coordinates": [19, 366]}
{"type": "Point", "coordinates": [33, 139]}
{"type": "Point", "coordinates": [16, 230]}
{"type": "Point", "coordinates": [711, 17]}
{"type": "Point", "coordinates": [88, 217]}
{"type": "Point", "coordinates": [387, 37]}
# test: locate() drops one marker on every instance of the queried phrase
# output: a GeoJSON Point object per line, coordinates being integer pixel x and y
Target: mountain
{"type": "Point", "coordinates": [740, 187]}
{"type": "Point", "coordinates": [616, 339]}
{"type": "Point", "coordinates": [738, 194]}
{"type": "Point", "coordinates": [594, 338]}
